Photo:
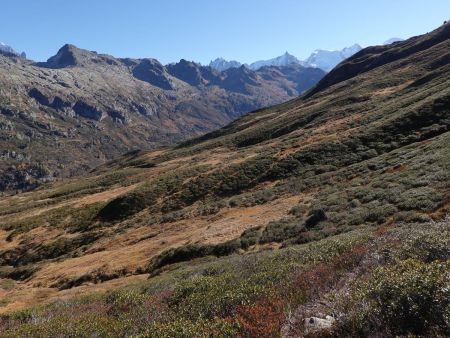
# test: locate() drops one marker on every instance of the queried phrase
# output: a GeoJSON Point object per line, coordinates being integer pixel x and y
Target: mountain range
{"type": "Point", "coordinates": [73, 112]}
{"type": "Point", "coordinates": [323, 216]}
{"type": "Point", "coordinates": [320, 58]}
{"type": "Point", "coordinates": [323, 59]}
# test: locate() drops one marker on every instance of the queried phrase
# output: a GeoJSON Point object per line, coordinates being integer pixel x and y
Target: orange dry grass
{"type": "Point", "coordinates": [104, 195]}
{"type": "Point", "coordinates": [131, 251]}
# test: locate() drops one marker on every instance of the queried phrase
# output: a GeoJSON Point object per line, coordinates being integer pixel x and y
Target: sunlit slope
{"type": "Point", "coordinates": [368, 147]}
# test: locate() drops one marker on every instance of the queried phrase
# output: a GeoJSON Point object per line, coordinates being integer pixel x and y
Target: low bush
{"type": "Point", "coordinates": [252, 198]}
{"type": "Point", "coordinates": [180, 327]}
{"type": "Point", "coordinates": [238, 295]}
{"type": "Point", "coordinates": [314, 217]}
{"type": "Point", "coordinates": [424, 199]}
{"type": "Point", "coordinates": [20, 273]}
{"type": "Point", "coordinates": [410, 297]}
{"type": "Point", "coordinates": [250, 237]}
{"type": "Point", "coordinates": [264, 318]}
{"type": "Point", "coordinates": [215, 296]}
{"type": "Point", "coordinates": [298, 210]}
{"type": "Point", "coordinates": [74, 220]}
{"type": "Point", "coordinates": [279, 231]}
{"type": "Point", "coordinates": [423, 242]}
{"type": "Point", "coordinates": [191, 251]}
{"type": "Point", "coordinates": [97, 276]}
{"type": "Point", "coordinates": [125, 205]}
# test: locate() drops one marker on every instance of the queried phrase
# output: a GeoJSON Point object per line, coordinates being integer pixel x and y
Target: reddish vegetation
{"type": "Point", "coordinates": [310, 284]}
{"type": "Point", "coordinates": [262, 319]}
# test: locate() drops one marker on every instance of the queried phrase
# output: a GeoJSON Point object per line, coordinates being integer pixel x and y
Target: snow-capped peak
{"type": "Point", "coordinates": [282, 60]}
{"type": "Point", "coordinates": [349, 51]}
{"type": "Point", "coordinates": [323, 59]}
{"type": "Point", "coordinates": [328, 59]}
{"type": "Point", "coordinates": [221, 64]}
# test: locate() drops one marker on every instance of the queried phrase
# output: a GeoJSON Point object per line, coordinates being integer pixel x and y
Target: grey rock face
{"type": "Point", "coordinates": [80, 100]}
{"type": "Point", "coordinates": [90, 112]}
{"type": "Point", "coordinates": [153, 72]}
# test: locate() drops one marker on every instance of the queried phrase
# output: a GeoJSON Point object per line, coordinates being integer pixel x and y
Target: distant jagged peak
{"type": "Point", "coordinates": [71, 56]}
{"type": "Point", "coordinates": [282, 60]}
{"type": "Point", "coordinates": [187, 71]}
{"type": "Point", "coordinates": [151, 71]}
{"type": "Point", "coordinates": [221, 64]}
{"type": "Point", "coordinates": [320, 58]}
{"type": "Point", "coordinates": [185, 62]}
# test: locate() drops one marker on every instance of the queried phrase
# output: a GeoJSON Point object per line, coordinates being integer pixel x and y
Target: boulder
{"type": "Point", "coordinates": [314, 324]}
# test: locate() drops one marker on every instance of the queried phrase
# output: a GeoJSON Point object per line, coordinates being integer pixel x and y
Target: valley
{"type": "Point", "coordinates": [64, 117]}
{"type": "Point", "coordinates": [311, 210]}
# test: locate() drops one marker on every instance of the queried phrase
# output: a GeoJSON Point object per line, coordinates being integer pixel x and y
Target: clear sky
{"type": "Point", "coordinates": [200, 30]}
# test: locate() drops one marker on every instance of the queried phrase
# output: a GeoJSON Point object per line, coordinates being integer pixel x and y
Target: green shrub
{"type": "Point", "coordinates": [18, 273]}
{"type": "Point", "coordinates": [252, 198]}
{"type": "Point", "coordinates": [298, 210]}
{"type": "Point", "coordinates": [192, 329]}
{"type": "Point", "coordinates": [124, 206]}
{"type": "Point", "coordinates": [214, 296]}
{"type": "Point", "coordinates": [410, 297]}
{"type": "Point", "coordinates": [423, 198]}
{"type": "Point", "coordinates": [250, 237]}
{"type": "Point", "coordinates": [314, 217]}
{"type": "Point", "coordinates": [191, 251]}
{"type": "Point", "coordinates": [411, 217]}
{"type": "Point", "coordinates": [279, 231]}
{"type": "Point", "coordinates": [426, 243]}
{"type": "Point", "coordinates": [54, 249]}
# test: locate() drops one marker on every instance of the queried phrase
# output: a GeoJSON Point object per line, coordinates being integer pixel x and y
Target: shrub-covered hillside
{"type": "Point", "coordinates": [390, 281]}
{"type": "Point", "coordinates": [323, 216]}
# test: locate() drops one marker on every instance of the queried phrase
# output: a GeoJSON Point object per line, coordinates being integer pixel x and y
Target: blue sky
{"type": "Point", "coordinates": [200, 30]}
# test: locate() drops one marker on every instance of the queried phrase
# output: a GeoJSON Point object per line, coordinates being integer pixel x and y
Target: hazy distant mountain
{"type": "Point", "coordinates": [327, 60]}
{"type": "Point", "coordinates": [286, 59]}
{"type": "Point", "coordinates": [392, 40]}
{"type": "Point", "coordinates": [221, 64]}
{"type": "Point", "coordinates": [323, 59]}
{"type": "Point", "coordinates": [4, 48]}
{"type": "Point", "coordinates": [283, 60]}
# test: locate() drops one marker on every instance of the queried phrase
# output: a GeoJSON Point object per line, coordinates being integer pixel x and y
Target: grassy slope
{"type": "Point", "coordinates": [365, 153]}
